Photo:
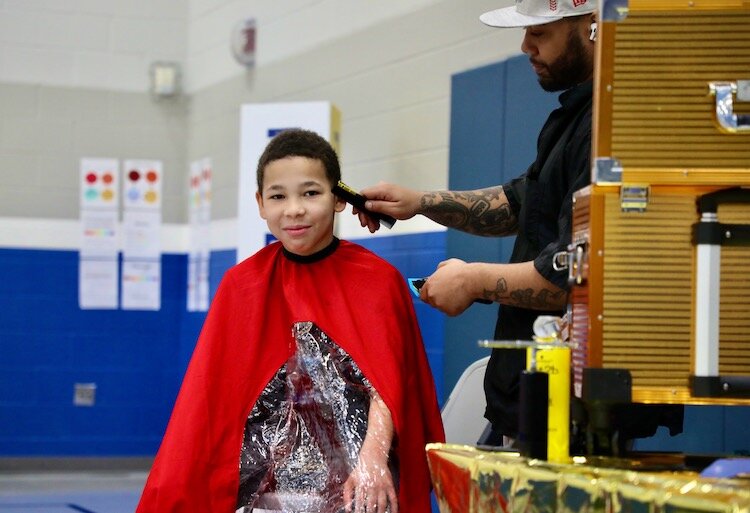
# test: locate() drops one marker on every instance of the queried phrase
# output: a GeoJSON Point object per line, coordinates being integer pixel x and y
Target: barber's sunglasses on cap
{"type": "Point", "coordinates": [536, 12]}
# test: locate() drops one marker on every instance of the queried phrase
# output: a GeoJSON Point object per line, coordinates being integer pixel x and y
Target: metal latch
{"type": "Point", "coordinates": [634, 197]}
{"type": "Point", "coordinates": [575, 260]}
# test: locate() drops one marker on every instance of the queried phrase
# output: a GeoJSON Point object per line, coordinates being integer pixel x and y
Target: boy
{"type": "Point", "coordinates": [309, 389]}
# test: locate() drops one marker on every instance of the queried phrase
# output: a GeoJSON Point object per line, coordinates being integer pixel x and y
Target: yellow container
{"type": "Point", "coordinates": [556, 363]}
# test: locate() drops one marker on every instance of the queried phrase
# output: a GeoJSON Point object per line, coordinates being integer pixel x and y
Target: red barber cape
{"type": "Point", "coordinates": [356, 298]}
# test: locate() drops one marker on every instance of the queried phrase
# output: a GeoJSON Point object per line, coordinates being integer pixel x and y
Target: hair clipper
{"type": "Point", "coordinates": [354, 198]}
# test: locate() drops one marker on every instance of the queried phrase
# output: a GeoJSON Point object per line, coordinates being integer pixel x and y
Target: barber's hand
{"type": "Point", "coordinates": [369, 487]}
{"type": "Point", "coordinates": [386, 198]}
{"type": "Point", "coordinates": [449, 287]}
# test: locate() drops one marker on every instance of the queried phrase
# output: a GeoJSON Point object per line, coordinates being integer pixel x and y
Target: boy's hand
{"type": "Point", "coordinates": [369, 487]}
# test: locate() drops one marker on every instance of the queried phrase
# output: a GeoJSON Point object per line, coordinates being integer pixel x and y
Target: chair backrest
{"type": "Point", "coordinates": [463, 412]}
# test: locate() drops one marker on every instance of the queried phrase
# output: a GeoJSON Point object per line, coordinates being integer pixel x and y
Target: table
{"type": "Point", "coordinates": [470, 480]}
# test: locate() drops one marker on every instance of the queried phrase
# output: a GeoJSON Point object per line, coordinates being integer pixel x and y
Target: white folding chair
{"type": "Point", "coordinates": [463, 412]}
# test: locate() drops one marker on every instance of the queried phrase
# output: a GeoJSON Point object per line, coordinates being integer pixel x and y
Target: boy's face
{"type": "Point", "coordinates": [298, 205]}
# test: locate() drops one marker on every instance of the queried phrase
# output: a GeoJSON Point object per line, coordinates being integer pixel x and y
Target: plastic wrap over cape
{"type": "Point", "coordinates": [362, 303]}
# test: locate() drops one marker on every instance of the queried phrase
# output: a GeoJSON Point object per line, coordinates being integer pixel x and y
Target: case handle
{"type": "Point", "coordinates": [710, 202]}
{"type": "Point", "coordinates": [727, 120]}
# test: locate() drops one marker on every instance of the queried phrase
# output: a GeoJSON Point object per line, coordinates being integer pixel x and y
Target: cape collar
{"type": "Point", "coordinates": [315, 257]}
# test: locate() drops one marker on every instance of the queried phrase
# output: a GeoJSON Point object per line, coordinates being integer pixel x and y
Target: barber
{"type": "Point", "coordinates": [536, 206]}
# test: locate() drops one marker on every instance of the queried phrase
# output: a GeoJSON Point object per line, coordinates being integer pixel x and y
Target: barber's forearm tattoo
{"type": "Point", "coordinates": [477, 212]}
{"type": "Point", "coordinates": [541, 299]}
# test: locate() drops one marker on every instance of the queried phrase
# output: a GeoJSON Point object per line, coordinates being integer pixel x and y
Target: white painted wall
{"type": "Point", "coordinates": [100, 44]}
{"type": "Point", "coordinates": [110, 44]}
{"type": "Point", "coordinates": [284, 29]}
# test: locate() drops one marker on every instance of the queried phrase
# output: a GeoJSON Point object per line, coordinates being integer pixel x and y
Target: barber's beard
{"type": "Point", "coordinates": [571, 68]}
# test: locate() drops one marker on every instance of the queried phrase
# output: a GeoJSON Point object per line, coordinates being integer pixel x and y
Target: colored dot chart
{"type": "Point", "coordinates": [142, 184]}
{"type": "Point", "coordinates": [200, 185]}
{"type": "Point", "coordinates": [99, 183]}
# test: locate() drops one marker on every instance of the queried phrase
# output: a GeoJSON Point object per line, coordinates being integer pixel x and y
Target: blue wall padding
{"type": "Point", "coordinates": [49, 344]}
{"type": "Point", "coordinates": [708, 429]}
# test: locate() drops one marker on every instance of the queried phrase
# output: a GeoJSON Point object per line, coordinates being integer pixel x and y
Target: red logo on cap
{"type": "Point", "coordinates": [553, 5]}
{"type": "Point", "coordinates": [579, 3]}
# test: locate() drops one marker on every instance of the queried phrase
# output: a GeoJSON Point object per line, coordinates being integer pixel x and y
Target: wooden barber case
{"type": "Point", "coordinates": [671, 105]}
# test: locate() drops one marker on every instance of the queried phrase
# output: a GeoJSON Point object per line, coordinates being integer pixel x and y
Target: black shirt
{"type": "Point", "coordinates": [542, 200]}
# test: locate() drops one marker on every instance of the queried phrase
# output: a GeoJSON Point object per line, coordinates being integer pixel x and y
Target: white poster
{"type": "Point", "coordinates": [99, 234]}
{"type": "Point", "coordinates": [97, 284]}
{"type": "Point", "coordinates": [192, 284]}
{"type": "Point", "coordinates": [202, 292]}
{"type": "Point", "coordinates": [141, 284]}
{"type": "Point", "coordinates": [98, 259]}
{"type": "Point", "coordinates": [141, 234]}
{"type": "Point", "coordinates": [141, 245]}
{"type": "Point", "coordinates": [199, 251]}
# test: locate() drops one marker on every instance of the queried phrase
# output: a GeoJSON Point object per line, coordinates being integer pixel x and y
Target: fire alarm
{"type": "Point", "coordinates": [243, 42]}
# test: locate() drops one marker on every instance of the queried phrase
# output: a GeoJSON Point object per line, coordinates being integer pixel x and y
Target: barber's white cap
{"type": "Point", "coordinates": [536, 12]}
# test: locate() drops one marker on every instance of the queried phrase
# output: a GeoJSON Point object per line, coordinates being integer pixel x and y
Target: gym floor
{"type": "Point", "coordinates": [90, 491]}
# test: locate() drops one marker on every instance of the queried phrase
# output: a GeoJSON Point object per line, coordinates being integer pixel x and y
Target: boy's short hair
{"type": "Point", "coordinates": [297, 142]}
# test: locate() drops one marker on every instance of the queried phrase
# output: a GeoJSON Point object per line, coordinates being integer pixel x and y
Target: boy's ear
{"type": "Point", "coordinates": [340, 204]}
{"type": "Point", "coordinates": [259, 199]}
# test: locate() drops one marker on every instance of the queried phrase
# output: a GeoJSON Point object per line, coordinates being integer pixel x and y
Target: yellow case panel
{"type": "Point", "coordinates": [635, 308]}
{"type": "Point", "coordinates": [653, 108]}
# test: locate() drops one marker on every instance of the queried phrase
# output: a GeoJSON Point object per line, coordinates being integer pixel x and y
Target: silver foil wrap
{"type": "Point", "coordinates": [303, 435]}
